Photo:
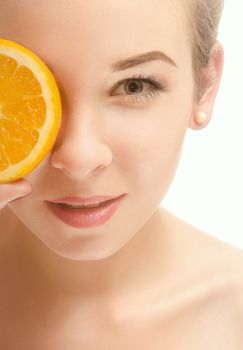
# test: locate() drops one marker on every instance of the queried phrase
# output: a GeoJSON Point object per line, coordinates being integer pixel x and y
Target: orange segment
{"type": "Point", "coordinates": [7, 68]}
{"type": "Point", "coordinates": [16, 140]}
{"type": "Point", "coordinates": [3, 161]}
{"type": "Point", "coordinates": [22, 86]}
{"type": "Point", "coordinates": [30, 110]}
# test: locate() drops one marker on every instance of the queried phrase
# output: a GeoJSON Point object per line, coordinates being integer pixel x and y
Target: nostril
{"type": "Point", "coordinates": [76, 174]}
{"type": "Point", "coordinates": [80, 163]}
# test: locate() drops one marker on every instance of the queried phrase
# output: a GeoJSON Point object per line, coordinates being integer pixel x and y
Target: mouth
{"type": "Point", "coordinates": [84, 215]}
{"type": "Point", "coordinates": [88, 206]}
{"type": "Point", "coordinates": [84, 201]}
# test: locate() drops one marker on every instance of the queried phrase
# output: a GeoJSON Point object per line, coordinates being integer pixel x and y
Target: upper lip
{"type": "Point", "coordinates": [83, 200]}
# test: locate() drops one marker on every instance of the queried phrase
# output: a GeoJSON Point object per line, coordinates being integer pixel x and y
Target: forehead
{"type": "Point", "coordinates": [103, 31]}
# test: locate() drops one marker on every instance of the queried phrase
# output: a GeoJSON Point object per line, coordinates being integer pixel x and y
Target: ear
{"type": "Point", "coordinates": [211, 77]}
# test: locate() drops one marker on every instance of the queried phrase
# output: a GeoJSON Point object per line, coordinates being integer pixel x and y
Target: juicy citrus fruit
{"type": "Point", "coordinates": [30, 110]}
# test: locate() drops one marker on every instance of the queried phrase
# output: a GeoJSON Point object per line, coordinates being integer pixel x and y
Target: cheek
{"type": "Point", "coordinates": [149, 154]}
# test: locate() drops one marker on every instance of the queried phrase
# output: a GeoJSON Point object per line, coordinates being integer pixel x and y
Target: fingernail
{"type": "Point", "coordinates": [20, 197]}
{"type": "Point", "coordinates": [25, 195]}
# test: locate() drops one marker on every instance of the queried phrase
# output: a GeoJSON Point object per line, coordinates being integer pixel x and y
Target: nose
{"type": "Point", "coordinates": [80, 151]}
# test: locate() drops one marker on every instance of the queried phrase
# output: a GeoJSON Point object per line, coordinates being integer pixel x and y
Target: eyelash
{"type": "Point", "coordinates": [157, 87]}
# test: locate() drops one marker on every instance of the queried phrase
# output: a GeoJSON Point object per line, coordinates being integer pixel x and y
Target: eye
{"type": "Point", "coordinates": [140, 88]}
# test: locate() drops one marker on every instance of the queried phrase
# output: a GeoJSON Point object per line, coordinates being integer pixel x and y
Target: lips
{"type": "Point", "coordinates": [84, 217]}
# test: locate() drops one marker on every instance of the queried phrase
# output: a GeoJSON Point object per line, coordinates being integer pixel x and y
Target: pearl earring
{"type": "Point", "coordinates": [201, 117]}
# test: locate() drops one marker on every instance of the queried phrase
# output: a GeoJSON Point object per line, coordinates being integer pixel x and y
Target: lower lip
{"type": "Point", "coordinates": [83, 218]}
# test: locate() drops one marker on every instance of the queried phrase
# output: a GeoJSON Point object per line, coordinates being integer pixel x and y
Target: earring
{"type": "Point", "coordinates": [201, 117]}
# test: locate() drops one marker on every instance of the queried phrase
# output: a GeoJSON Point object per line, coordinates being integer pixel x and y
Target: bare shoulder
{"type": "Point", "coordinates": [222, 309]}
{"type": "Point", "coordinates": [206, 251]}
{"type": "Point", "coordinates": [216, 259]}
{"type": "Point", "coordinates": [210, 288]}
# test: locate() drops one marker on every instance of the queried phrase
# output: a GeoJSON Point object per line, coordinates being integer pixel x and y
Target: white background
{"type": "Point", "coordinates": [207, 190]}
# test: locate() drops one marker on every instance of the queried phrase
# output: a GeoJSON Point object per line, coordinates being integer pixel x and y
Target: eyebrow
{"type": "Point", "coordinates": [140, 59]}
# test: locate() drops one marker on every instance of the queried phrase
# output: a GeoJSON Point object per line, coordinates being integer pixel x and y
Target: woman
{"type": "Point", "coordinates": [133, 76]}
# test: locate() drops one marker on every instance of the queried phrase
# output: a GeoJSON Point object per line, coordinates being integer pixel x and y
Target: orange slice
{"type": "Point", "coordinates": [30, 110]}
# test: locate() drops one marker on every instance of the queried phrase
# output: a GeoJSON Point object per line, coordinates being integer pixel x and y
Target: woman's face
{"type": "Point", "coordinates": [114, 139]}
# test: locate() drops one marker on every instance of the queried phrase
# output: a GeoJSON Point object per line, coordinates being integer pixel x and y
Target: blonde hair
{"type": "Point", "coordinates": [204, 17]}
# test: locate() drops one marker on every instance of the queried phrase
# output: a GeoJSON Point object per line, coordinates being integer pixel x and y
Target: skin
{"type": "Point", "coordinates": [131, 276]}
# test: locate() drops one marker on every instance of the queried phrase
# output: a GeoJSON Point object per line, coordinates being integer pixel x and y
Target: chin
{"type": "Point", "coordinates": [78, 250]}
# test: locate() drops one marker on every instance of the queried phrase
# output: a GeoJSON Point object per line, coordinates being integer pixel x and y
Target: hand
{"type": "Point", "coordinates": [13, 190]}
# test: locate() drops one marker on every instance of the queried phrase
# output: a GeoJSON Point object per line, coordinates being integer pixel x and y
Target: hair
{"type": "Point", "coordinates": [204, 17]}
